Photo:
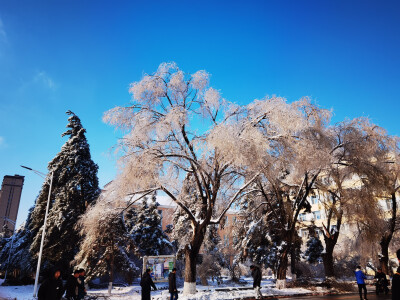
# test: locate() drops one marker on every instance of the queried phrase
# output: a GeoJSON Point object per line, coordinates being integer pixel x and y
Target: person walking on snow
{"type": "Point", "coordinates": [52, 288]}
{"type": "Point", "coordinates": [360, 276]}
{"type": "Point", "coordinates": [72, 286]}
{"type": "Point", "coordinates": [146, 283]}
{"type": "Point", "coordinates": [81, 284]}
{"type": "Point", "coordinates": [256, 274]}
{"type": "Point", "coordinates": [172, 285]}
{"type": "Point", "coordinates": [396, 281]}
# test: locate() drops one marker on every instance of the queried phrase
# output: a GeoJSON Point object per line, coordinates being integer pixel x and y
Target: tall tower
{"type": "Point", "coordinates": [10, 195]}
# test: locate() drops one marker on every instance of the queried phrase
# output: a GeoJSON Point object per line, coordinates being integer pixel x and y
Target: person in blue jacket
{"type": "Point", "coordinates": [360, 276]}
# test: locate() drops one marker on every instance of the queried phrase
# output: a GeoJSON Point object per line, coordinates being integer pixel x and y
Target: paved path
{"type": "Point", "coordinates": [338, 297]}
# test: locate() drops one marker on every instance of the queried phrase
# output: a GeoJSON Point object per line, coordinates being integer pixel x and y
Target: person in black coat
{"type": "Point", "coordinates": [52, 288]}
{"type": "Point", "coordinates": [381, 281]}
{"type": "Point", "coordinates": [72, 286]}
{"type": "Point", "coordinates": [172, 285]}
{"type": "Point", "coordinates": [81, 284]}
{"type": "Point", "coordinates": [256, 274]}
{"type": "Point", "coordinates": [146, 283]}
{"type": "Point", "coordinates": [396, 281]}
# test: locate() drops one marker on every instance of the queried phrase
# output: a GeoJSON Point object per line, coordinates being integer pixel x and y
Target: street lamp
{"type": "Point", "coordinates": [12, 241]}
{"type": "Point", "coordinates": [44, 227]}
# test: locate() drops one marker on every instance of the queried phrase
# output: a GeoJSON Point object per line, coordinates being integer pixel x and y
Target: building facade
{"type": "Point", "coordinates": [10, 195]}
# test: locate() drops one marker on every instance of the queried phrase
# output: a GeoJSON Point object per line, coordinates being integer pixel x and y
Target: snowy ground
{"type": "Point", "coordinates": [224, 291]}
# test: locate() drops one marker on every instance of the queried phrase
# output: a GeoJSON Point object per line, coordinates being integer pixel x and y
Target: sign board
{"type": "Point", "coordinates": [160, 266]}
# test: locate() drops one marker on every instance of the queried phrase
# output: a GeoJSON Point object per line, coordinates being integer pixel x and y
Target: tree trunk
{"type": "Point", "coordinates": [384, 259]}
{"type": "Point", "coordinates": [191, 253]}
{"type": "Point", "coordinates": [328, 263]}
{"type": "Point", "coordinates": [327, 257]}
{"type": "Point", "coordinates": [111, 274]}
{"type": "Point", "coordinates": [293, 269]}
{"type": "Point", "coordinates": [281, 273]}
{"type": "Point", "coordinates": [387, 237]}
{"type": "Point", "coordinates": [190, 272]}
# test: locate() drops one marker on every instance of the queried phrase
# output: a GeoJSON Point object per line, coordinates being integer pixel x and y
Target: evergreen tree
{"type": "Point", "coordinates": [15, 255]}
{"type": "Point", "coordinates": [75, 185]}
{"type": "Point", "coordinates": [313, 253]}
{"type": "Point", "coordinates": [260, 237]}
{"type": "Point", "coordinates": [146, 230]}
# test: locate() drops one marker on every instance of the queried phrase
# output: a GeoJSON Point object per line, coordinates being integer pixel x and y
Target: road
{"type": "Point", "coordinates": [340, 297]}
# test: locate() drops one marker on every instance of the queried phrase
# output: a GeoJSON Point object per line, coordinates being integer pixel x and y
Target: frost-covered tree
{"type": "Point", "coordinates": [178, 128]}
{"type": "Point", "coordinates": [252, 238]}
{"type": "Point", "coordinates": [338, 186]}
{"type": "Point", "coordinates": [313, 253]}
{"type": "Point", "coordinates": [296, 150]}
{"type": "Point", "coordinates": [377, 163]}
{"type": "Point", "coordinates": [75, 185]}
{"type": "Point", "coordinates": [107, 247]}
{"type": "Point", "coordinates": [146, 229]}
{"type": "Point", "coordinates": [15, 255]}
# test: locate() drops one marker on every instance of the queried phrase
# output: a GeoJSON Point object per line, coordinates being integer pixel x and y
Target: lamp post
{"type": "Point", "coordinates": [12, 242]}
{"type": "Point", "coordinates": [44, 227]}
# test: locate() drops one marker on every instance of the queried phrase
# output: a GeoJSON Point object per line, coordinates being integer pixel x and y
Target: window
{"type": "Point", "coordinates": [303, 233]}
{"type": "Point", "coordinates": [389, 204]}
{"type": "Point", "coordinates": [226, 222]}
{"type": "Point", "coordinates": [317, 215]}
{"type": "Point", "coordinates": [314, 199]}
{"type": "Point", "coordinates": [226, 240]}
{"type": "Point", "coordinates": [234, 220]}
{"type": "Point", "coordinates": [160, 213]}
{"type": "Point", "coordinates": [302, 217]}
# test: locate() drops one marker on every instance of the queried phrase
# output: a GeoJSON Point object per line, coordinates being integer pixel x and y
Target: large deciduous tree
{"type": "Point", "coordinates": [173, 133]}
{"type": "Point", "coordinates": [377, 163]}
{"type": "Point", "coordinates": [297, 144]}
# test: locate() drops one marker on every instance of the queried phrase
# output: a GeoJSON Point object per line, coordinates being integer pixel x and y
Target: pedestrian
{"type": "Point", "coordinates": [72, 286]}
{"type": "Point", "coordinates": [81, 284]}
{"type": "Point", "coordinates": [172, 285]}
{"type": "Point", "coordinates": [52, 288]}
{"type": "Point", "coordinates": [381, 282]}
{"type": "Point", "coordinates": [256, 274]}
{"type": "Point", "coordinates": [146, 283]}
{"type": "Point", "coordinates": [396, 281]}
{"type": "Point", "coordinates": [360, 276]}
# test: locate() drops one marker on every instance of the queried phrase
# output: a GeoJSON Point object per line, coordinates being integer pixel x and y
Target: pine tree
{"type": "Point", "coordinates": [146, 232]}
{"type": "Point", "coordinates": [15, 255]}
{"type": "Point", "coordinates": [313, 253]}
{"type": "Point", "coordinates": [75, 185]}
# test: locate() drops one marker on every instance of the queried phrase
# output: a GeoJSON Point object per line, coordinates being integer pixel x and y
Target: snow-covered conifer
{"type": "Point", "coordinates": [15, 255]}
{"type": "Point", "coordinates": [75, 185]}
{"type": "Point", "coordinates": [146, 229]}
{"type": "Point", "coordinates": [313, 253]}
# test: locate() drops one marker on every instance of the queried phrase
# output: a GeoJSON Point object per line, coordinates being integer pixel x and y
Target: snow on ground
{"type": "Point", "coordinates": [212, 292]}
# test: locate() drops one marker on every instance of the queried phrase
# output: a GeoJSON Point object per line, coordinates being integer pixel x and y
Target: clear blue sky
{"type": "Point", "coordinates": [82, 55]}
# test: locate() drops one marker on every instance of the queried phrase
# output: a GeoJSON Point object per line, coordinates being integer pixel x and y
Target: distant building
{"type": "Point", "coordinates": [10, 195]}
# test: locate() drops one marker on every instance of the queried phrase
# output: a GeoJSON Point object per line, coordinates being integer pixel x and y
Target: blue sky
{"type": "Point", "coordinates": [82, 55]}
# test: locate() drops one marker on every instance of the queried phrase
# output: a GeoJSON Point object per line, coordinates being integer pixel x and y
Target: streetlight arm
{"type": "Point", "coordinates": [35, 171]}
{"type": "Point", "coordinates": [27, 168]}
